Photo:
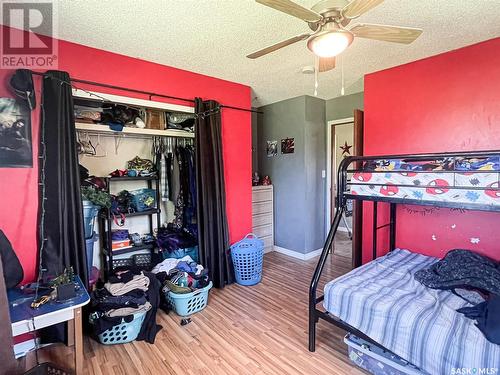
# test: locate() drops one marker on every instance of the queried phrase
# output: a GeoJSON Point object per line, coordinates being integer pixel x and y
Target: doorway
{"type": "Point", "coordinates": [344, 138]}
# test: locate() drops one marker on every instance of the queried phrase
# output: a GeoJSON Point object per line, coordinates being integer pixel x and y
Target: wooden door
{"type": "Point", "coordinates": [357, 214]}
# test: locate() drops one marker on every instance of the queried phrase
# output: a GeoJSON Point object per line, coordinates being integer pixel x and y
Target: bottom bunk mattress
{"type": "Point", "coordinates": [383, 300]}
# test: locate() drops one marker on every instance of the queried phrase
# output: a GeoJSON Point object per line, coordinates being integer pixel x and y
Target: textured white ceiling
{"type": "Point", "coordinates": [213, 36]}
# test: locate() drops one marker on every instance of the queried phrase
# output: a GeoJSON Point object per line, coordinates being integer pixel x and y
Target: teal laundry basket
{"type": "Point", "coordinates": [124, 332]}
{"type": "Point", "coordinates": [188, 303]}
{"type": "Point", "coordinates": [248, 257]}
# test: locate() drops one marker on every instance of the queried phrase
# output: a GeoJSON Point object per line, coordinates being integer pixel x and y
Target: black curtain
{"type": "Point", "coordinates": [212, 221]}
{"type": "Point", "coordinates": [61, 225]}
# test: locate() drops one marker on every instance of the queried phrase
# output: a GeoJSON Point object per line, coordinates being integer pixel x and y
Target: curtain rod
{"type": "Point", "coordinates": [150, 94]}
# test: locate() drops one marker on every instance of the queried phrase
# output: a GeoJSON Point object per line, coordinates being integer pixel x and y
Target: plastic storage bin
{"type": "Point", "coordinates": [189, 303]}
{"type": "Point", "coordinates": [376, 360]}
{"type": "Point", "coordinates": [143, 199]}
{"type": "Point", "coordinates": [247, 256]}
{"type": "Point", "coordinates": [90, 212]}
{"type": "Point", "coordinates": [89, 245]}
{"type": "Point", "coordinates": [181, 253]}
{"type": "Point", "coordinates": [137, 260]}
{"type": "Point", "coordinates": [124, 332]}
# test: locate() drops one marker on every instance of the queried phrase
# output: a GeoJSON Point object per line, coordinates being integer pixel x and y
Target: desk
{"type": "Point", "coordinates": [24, 319]}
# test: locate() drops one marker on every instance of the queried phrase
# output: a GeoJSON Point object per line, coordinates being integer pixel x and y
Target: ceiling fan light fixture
{"type": "Point", "coordinates": [330, 43]}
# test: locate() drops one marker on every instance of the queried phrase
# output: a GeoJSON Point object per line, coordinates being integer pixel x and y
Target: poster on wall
{"type": "Point", "coordinates": [15, 134]}
{"type": "Point", "coordinates": [272, 148]}
{"type": "Point", "coordinates": [288, 146]}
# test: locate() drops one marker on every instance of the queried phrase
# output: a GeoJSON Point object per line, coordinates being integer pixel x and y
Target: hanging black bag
{"type": "Point", "coordinates": [13, 271]}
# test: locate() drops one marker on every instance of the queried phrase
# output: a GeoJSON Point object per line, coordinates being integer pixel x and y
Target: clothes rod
{"type": "Point", "coordinates": [130, 135]}
{"type": "Point", "coordinates": [150, 94]}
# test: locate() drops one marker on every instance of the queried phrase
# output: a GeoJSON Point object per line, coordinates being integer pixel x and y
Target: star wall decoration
{"type": "Point", "coordinates": [346, 149]}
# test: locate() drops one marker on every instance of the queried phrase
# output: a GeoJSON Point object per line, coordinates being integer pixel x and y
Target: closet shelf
{"type": "Point", "coordinates": [137, 178]}
{"type": "Point", "coordinates": [130, 249]}
{"type": "Point", "coordinates": [132, 214]}
{"type": "Point", "coordinates": [104, 129]}
{"type": "Point", "coordinates": [119, 99]}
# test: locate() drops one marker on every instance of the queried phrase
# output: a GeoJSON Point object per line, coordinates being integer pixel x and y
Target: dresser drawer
{"type": "Point", "coordinates": [262, 195]}
{"type": "Point", "coordinates": [262, 208]}
{"type": "Point", "coordinates": [263, 230]}
{"type": "Point", "coordinates": [262, 219]}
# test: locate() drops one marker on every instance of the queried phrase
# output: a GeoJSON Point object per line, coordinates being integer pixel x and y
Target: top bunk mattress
{"type": "Point", "coordinates": [383, 300]}
{"type": "Point", "coordinates": [463, 181]}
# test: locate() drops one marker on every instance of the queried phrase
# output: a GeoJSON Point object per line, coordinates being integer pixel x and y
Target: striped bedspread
{"type": "Point", "coordinates": [383, 300]}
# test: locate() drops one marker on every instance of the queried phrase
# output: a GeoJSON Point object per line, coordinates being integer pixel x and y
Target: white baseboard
{"type": "Point", "coordinates": [295, 254]}
{"type": "Point", "coordinates": [313, 254]}
{"type": "Point", "coordinates": [268, 249]}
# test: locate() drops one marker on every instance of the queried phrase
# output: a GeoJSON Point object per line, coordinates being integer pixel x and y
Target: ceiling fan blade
{"type": "Point", "coordinates": [326, 64]}
{"type": "Point", "coordinates": [358, 7]}
{"type": "Point", "coordinates": [274, 47]}
{"type": "Point", "coordinates": [293, 9]}
{"type": "Point", "coordinates": [386, 33]}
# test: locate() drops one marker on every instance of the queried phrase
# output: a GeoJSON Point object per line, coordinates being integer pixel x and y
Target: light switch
{"type": "Point", "coordinates": [323, 174]}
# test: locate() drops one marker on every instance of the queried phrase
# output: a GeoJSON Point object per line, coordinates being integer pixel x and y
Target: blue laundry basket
{"type": "Point", "coordinates": [248, 256]}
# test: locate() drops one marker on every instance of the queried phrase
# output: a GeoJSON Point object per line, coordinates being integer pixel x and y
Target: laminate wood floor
{"type": "Point", "coordinates": [244, 330]}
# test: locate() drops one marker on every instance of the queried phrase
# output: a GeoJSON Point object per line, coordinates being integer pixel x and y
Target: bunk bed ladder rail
{"type": "Point", "coordinates": [341, 207]}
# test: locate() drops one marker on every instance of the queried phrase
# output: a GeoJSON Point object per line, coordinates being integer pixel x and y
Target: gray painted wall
{"type": "Point", "coordinates": [299, 188]}
{"type": "Point", "coordinates": [298, 185]}
{"type": "Point", "coordinates": [255, 131]}
{"type": "Point", "coordinates": [344, 106]}
{"type": "Point", "coordinates": [315, 164]}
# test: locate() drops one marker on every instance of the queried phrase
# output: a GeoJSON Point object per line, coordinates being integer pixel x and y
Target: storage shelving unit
{"type": "Point", "coordinates": [106, 222]}
{"type": "Point", "coordinates": [106, 218]}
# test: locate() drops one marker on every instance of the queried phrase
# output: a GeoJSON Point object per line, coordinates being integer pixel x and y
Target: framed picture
{"type": "Point", "coordinates": [288, 146]}
{"type": "Point", "coordinates": [15, 134]}
{"type": "Point", "coordinates": [272, 148]}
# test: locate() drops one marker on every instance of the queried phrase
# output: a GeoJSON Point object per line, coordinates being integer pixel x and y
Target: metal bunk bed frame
{"type": "Point", "coordinates": [341, 201]}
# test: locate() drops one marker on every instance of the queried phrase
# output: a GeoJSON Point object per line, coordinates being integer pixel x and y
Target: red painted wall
{"type": "Point", "coordinates": [448, 102]}
{"type": "Point", "coordinates": [18, 187]}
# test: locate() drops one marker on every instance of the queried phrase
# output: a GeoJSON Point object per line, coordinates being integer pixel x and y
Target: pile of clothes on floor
{"type": "Point", "coordinates": [127, 293]}
{"type": "Point", "coordinates": [180, 276]}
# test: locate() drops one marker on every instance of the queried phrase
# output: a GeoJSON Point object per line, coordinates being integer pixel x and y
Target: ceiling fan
{"type": "Point", "coordinates": [328, 20]}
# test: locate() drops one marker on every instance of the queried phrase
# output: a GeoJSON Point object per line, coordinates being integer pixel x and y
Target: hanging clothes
{"type": "Point", "coordinates": [169, 166]}
{"type": "Point", "coordinates": [160, 160]}
{"type": "Point", "coordinates": [185, 207]}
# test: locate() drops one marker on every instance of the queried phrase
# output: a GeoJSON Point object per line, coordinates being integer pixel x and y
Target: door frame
{"type": "Point", "coordinates": [329, 159]}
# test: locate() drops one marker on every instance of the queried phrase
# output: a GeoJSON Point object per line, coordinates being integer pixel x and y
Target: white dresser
{"type": "Point", "coordinates": [263, 215]}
